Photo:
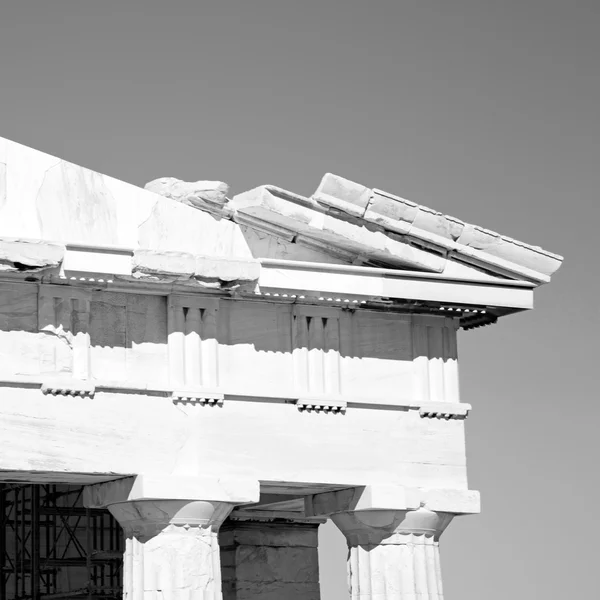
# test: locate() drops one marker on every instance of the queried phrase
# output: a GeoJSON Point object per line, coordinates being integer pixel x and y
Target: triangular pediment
{"type": "Point", "coordinates": [187, 233]}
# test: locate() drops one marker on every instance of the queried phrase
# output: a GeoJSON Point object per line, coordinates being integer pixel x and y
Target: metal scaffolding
{"type": "Point", "coordinates": [52, 547]}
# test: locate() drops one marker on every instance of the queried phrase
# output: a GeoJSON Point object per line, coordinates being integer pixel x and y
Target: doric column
{"type": "Point", "coordinates": [393, 536]}
{"type": "Point", "coordinates": [171, 538]}
{"type": "Point", "coordinates": [394, 554]}
{"type": "Point", "coordinates": [171, 548]}
{"type": "Point", "coordinates": [270, 559]}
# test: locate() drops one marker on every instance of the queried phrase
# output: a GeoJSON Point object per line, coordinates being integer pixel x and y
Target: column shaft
{"type": "Point", "coordinates": [408, 571]}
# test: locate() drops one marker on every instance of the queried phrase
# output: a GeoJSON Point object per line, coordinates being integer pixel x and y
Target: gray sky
{"type": "Point", "coordinates": [486, 110]}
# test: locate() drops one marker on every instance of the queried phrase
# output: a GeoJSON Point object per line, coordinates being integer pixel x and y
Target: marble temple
{"type": "Point", "coordinates": [191, 383]}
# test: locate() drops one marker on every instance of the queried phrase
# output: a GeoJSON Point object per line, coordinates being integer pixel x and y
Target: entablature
{"type": "Point", "coordinates": [473, 302]}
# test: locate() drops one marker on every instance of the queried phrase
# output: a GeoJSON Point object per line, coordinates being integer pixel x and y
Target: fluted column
{"type": "Point", "coordinates": [171, 548]}
{"type": "Point", "coordinates": [393, 554]}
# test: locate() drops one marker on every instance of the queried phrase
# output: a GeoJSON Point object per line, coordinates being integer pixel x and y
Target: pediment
{"type": "Point", "coordinates": [202, 235]}
{"type": "Point", "coordinates": [347, 223]}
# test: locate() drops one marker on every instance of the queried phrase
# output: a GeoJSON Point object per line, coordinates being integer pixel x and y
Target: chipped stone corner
{"type": "Point", "coordinates": [210, 196]}
{"type": "Point", "coordinates": [30, 255]}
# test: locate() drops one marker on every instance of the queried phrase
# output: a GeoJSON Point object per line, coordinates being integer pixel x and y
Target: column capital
{"type": "Point", "coordinates": [397, 527]}
{"type": "Point", "coordinates": [144, 519]}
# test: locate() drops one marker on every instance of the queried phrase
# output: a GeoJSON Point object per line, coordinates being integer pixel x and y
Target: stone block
{"type": "Point", "coordinates": [175, 264]}
{"type": "Point", "coordinates": [26, 255]}
{"type": "Point", "coordinates": [271, 563]}
{"type": "Point", "coordinates": [226, 269]}
{"type": "Point", "coordinates": [392, 207]}
{"type": "Point", "coordinates": [203, 195]}
{"type": "Point", "coordinates": [343, 195]}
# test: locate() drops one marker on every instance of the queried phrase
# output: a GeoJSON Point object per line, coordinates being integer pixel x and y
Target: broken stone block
{"type": "Point", "coordinates": [203, 195]}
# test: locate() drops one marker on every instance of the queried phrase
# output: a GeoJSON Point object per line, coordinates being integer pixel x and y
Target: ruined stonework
{"type": "Point", "coordinates": [191, 384]}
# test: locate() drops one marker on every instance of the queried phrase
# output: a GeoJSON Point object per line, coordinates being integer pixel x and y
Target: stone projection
{"type": "Point", "coordinates": [191, 383]}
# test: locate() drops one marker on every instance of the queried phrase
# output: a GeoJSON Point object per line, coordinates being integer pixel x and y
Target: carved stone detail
{"type": "Point", "coordinates": [316, 351]}
{"type": "Point", "coordinates": [203, 397]}
{"type": "Point", "coordinates": [321, 405]}
{"type": "Point", "coordinates": [444, 410]}
{"type": "Point", "coordinates": [435, 359]}
{"type": "Point", "coordinates": [69, 387]}
{"type": "Point", "coordinates": [193, 346]}
{"type": "Point", "coordinates": [64, 311]}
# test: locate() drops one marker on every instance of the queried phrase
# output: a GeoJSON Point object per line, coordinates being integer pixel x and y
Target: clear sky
{"type": "Point", "coordinates": [485, 110]}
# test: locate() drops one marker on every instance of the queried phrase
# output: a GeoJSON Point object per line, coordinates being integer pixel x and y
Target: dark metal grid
{"type": "Point", "coordinates": [44, 532]}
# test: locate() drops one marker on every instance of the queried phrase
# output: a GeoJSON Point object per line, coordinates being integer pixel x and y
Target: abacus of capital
{"type": "Point", "coordinates": [191, 384]}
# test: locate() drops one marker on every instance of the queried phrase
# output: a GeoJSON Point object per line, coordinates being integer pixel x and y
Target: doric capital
{"type": "Point", "coordinates": [377, 527]}
{"type": "Point", "coordinates": [144, 519]}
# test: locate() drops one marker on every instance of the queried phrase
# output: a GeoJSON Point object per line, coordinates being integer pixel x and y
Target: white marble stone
{"type": "Point", "coordinates": [207, 195]}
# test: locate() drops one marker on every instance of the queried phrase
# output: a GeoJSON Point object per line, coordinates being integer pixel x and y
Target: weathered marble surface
{"type": "Point", "coordinates": [17, 255]}
{"type": "Point", "coordinates": [45, 198]}
{"type": "Point", "coordinates": [205, 195]}
{"type": "Point", "coordinates": [303, 218]}
{"type": "Point", "coordinates": [404, 217]}
{"type": "Point", "coordinates": [187, 267]}
{"type": "Point", "coordinates": [137, 350]}
{"type": "Point", "coordinates": [73, 435]}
